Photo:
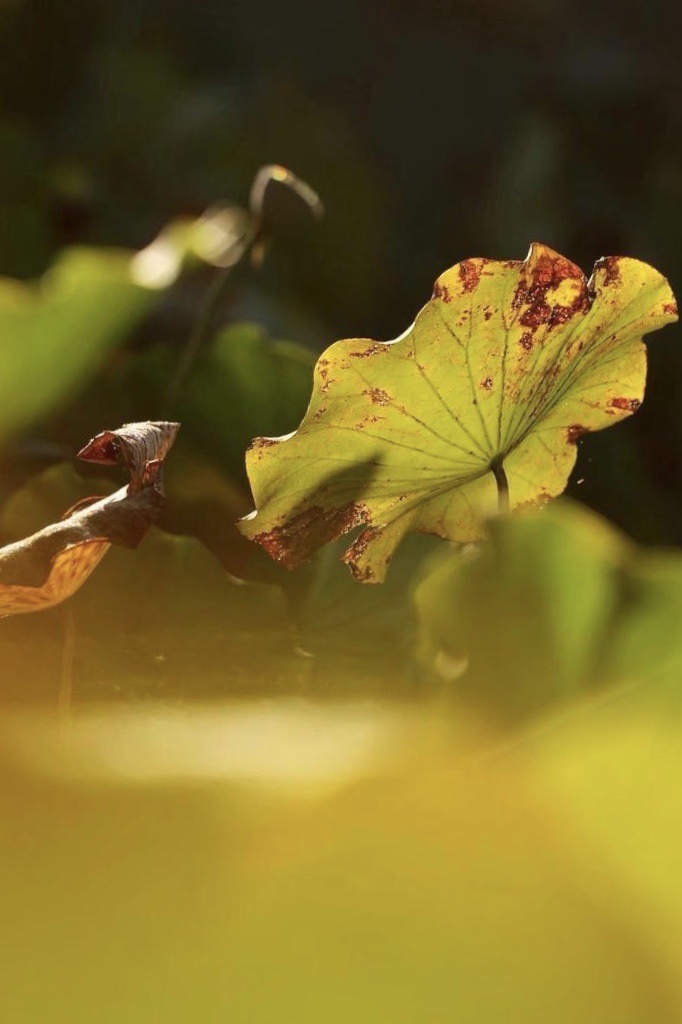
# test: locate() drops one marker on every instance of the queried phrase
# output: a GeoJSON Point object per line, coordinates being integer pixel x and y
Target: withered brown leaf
{"type": "Point", "coordinates": [44, 569]}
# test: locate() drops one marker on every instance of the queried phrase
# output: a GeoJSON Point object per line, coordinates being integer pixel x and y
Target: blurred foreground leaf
{"type": "Point", "coordinates": [501, 373]}
{"type": "Point", "coordinates": [286, 862]}
{"type": "Point", "coordinates": [612, 778]}
{"type": "Point", "coordinates": [557, 603]}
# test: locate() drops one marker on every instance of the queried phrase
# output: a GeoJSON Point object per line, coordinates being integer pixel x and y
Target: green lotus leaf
{"type": "Point", "coordinates": [484, 397]}
{"type": "Point", "coordinates": [56, 331]}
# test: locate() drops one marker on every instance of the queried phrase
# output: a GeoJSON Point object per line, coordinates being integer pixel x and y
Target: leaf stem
{"type": "Point", "coordinates": [203, 327]}
{"type": "Point", "coordinates": [502, 482]}
{"type": "Point", "coordinates": [249, 244]}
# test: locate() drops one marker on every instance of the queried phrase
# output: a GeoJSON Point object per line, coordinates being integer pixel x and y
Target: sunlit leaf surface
{"type": "Point", "coordinates": [504, 369]}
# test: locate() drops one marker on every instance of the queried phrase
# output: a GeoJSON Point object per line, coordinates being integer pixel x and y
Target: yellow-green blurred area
{"type": "Point", "coordinates": [278, 862]}
{"type": "Point", "coordinates": [233, 793]}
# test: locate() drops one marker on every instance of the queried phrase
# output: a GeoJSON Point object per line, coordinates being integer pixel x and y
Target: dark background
{"type": "Point", "coordinates": [433, 131]}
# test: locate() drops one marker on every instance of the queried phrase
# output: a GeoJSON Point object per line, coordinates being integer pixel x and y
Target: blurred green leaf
{"type": "Point", "coordinates": [611, 777]}
{"type": "Point", "coordinates": [557, 603]}
{"type": "Point", "coordinates": [245, 385]}
{"type": "Point", "coordinates": [54, 333]}
{"type": "Point", "coordinates": [646, 644]}
{"type": "Point", "coordinates": [57, 331]}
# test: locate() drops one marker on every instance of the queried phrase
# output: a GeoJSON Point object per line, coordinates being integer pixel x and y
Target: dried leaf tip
{"type": "Point", "coordinates": [140, 447]}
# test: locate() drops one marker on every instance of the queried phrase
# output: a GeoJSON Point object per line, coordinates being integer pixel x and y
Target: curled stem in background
{"type": "Point", "coordinates": [250, 241]}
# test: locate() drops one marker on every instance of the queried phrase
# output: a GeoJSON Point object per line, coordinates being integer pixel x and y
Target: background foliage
{"type": "Point", "coordinates": [550, 121]}
{"type": "Point", "coordinates": [506, 849]}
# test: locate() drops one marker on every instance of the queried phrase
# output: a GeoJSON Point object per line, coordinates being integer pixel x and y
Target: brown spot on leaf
{"type": "Point", "coordinates": [575, 432]}
{"type": "Point", "coordinates": [538, 313]}
{"type": "Point", "coordinates": [487, 313]}
{"type": "Point", "coordinates": [441, 291]}
{"type": "Point", "coordinates": [629, 404]}
{"type": "Point", "coordinates": [260, 443]}
{"type": "Point", "coordinates": [322, 365]}
{"type": "Point", "coordinates": [611, 268]}
{"type": "Point", "coordinates": [670, 308]}
{"type": "Point", "coordinates": [357, 550]}
{"type": "Point", "coordinates": [562, 314]}
{"type": "Point", "coordinates": [377, 395]}
{"type": "Point", "coordinates": [374, 349]}
{"type": "Point", "coordinates": [469, 274]}
{"type": "Point", "coordinates": [552, 269]}
{"type": "Point", "coordinates": [487, 383]}
{"type": "Point", "coordinates": [547, 273]}
{"type": "Point", "coordinates": [304, 533]}
{"type": "Point", "coordinates": [526, 341]}
{"type": "Point", "coordinates": [365, 575]}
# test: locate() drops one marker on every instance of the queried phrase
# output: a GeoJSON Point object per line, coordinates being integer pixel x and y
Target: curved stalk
{"type": "Point", "coordinates": [249, 244]}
